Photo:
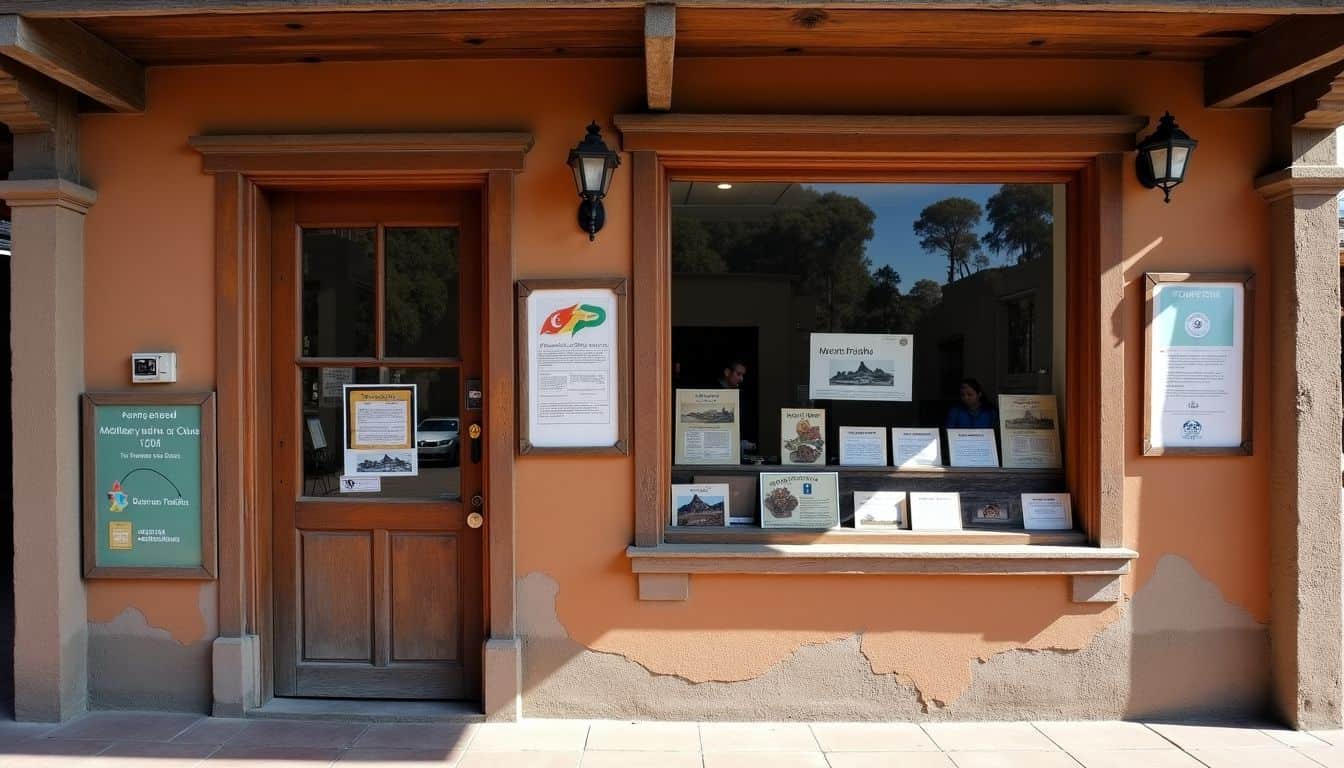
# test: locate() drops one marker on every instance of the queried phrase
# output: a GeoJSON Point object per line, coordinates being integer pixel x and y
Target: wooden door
{"type": "Point", "coordinates": [378, 595]}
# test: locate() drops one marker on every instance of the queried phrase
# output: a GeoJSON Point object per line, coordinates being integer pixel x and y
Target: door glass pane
{"type": "Point", "coordinates": [439, 431]}
{"type": "Point", "coordinates": [421, 293]}
{"type": "Point", "coordinates": [339, 267]}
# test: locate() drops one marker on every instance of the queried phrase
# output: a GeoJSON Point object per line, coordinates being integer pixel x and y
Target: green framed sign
{"type": "Point", "coordinates": [149, 486]}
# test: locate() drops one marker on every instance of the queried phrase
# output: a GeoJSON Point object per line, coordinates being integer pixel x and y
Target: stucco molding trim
{"type": "Point", "coordinates": [1300, 179]}
{"type": "Point", "coordinates": [881, 559]}
{"type": "Point", "coordinates": [48, 192]}
{"type": "Point", "coordinates": [366, 153]}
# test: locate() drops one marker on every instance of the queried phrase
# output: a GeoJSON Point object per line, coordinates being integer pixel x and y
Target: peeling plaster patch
{"type": "Point", "coordinates": [185, 609]}
{"type": "Point", "coordinates": [133, 665]}
{"type": "Point", "coordinates": [1177, 598]}
{"type": "Point", "coordinates": [536, 593]}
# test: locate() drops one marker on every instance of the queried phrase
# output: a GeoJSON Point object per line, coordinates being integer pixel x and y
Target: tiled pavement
{"type": "Point", "coordinates": [156, 740]}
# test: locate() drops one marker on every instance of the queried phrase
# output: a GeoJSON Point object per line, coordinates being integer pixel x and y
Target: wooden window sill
{"type": "Point", "coordinates": [664, 571]}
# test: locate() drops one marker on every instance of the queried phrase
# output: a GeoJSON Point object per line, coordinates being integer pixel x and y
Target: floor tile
{"type": "Point", "coordinates": [1102, 735]}
{"type": "Point", "coordinates": [1013, 759]}
{"type": "Point", "coordinates": [872, 737]}
{"type": "Point", "coordinates": [889, 760]}
{"type": "Point", "coordinates": [440, 736]}
{"type": "Point", "coordinates": [987, 737]}
{"type": "Point", "coordinates": [126, 726]}
{"type": "Point", "coordinates": [50, 753]}
{"type": "Point", "coordinates": [1135, 758]}
{"type": "Point", "coordinates": [14, 733]}
{"type": "Point", "coordinates": [297, 733]}
{"type": "Point", "coordinates": [1330, 737]}
{"type": "Point", "coordinates": [1192, 737]}
{"type": "Point", "coordinates": [1257, 757]}
{"type": "Point", "coordinates": [537, 759]}
{"type": "Point", "coordinates": [642, 737]}
{"type": "Point", "coordinates": [618, 759]}
{"type": "Point", "coordinates": [386, 757]}
{"type": "Point", "coordinates": [753, 737]}
{"type": "Point", "coordinates": [765, 760]}
{"type": "Point", "coordinates": [274, 756]}
{"type": "Point", "coordinates": [543, 735]}
{"type": "Point", "coordinates": [1293, 738]}
{"type": "Point", "coordinates": [139, 754]}
{"type": "Point", "coordinates": [1329, 757]}
{"type": "Point", "coordinates": [211, 730]}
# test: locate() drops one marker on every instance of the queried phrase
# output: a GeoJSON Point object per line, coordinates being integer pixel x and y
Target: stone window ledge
{"type": "Point", "coordinates": [664, 571]}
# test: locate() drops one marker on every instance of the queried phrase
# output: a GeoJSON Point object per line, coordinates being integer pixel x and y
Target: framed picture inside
{"type": "Point", "coordinates": [1197, 355]}
{"type": "Point", "coordinates": [573, 361]}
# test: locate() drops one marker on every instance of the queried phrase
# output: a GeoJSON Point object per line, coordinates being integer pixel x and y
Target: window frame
{"type": "Point", "coordinates": [1084, 152]}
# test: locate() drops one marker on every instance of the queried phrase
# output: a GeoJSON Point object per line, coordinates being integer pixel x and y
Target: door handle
{"type": "Point", "coordinates": [474, 434]}
{"type": "Point", "coordinates": [475, 519]}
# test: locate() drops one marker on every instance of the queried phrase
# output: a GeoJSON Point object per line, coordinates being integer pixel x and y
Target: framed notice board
{"type": "Point", "coordinates": [149, 486]}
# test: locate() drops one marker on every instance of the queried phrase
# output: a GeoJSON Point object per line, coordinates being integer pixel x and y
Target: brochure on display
{"type": "Point", "coordinates": [379, 430]}
{"type": "Point", "coordinates": [1029, 425]}
{"type": "Point", "coordinates": [700, 506]}
{"type": "Point", "coordinates": [800, 500]}
{"type": "Point", "coordinates": [935, 511]}
{"type": "Point", "coordinates": [916, 448]}
{"type": "Point", "coordinates": [972, 448]}
{"type": "Point", "coordinates": [861, 366]}
{"type": "Point", "coordinates": [990, 512]}
{"type": "Point", "coordinates": [708, 426]}
{"type": "Point", "coordinates": [863, 446]}
{"type": "Point", "coordinates": [802, 436]}
{"type": "Point", "coordinates": [881, 509]}
{"type": "Point", "coordinates": [1047, 512]}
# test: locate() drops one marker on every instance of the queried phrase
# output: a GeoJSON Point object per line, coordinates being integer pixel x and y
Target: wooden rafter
{"type": "Point", "coordinates": [660, 45]}
{"type": "Point", "coordinates": [1319, 100]}
{"type": "Point", "coordinates": [66, 53]}
{"type": "Point", "coordinates": [1289, 50]}
{"type": "Point", "coordinates": [27, 104]}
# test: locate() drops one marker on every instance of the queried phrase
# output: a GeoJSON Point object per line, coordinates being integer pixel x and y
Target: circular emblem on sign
{"type": "Point", "coordinates": [1191, 429]}
{"type": "Point", "coordinates": [1197, 325]}
{"type": "Point", "coordinates": [474, 430]}
{"type": "Point", "coordinates": [904, 342]}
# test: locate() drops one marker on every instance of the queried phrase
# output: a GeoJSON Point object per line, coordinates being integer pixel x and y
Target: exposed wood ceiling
{"type": "Point", "coordinates": [700, 32]}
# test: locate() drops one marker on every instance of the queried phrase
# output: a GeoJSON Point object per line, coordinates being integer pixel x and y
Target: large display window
{"type": "Point", "coordinates": [867, 357]}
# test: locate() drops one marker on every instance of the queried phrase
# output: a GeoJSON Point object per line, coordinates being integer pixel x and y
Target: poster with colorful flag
{"type": "Point", "coordinates": [573, 351]}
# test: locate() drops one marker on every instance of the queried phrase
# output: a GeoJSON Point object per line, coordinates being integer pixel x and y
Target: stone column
{"type": "Point", "coordinates": [47, 336]}
{"type": "Point", "coordinates": [1306, 632]}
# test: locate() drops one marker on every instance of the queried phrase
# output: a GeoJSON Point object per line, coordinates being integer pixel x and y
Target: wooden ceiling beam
{"type": "Point", "coordinates": [1289, 50]}
{"type": "Point", "coordinates": [103, 8]}
{"type": "Point", "coordinates": [660, 46]}
{"type": "Point", "coordinates": [66, 53]}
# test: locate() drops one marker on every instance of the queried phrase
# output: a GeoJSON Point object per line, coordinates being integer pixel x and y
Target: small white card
{"type": "Point", "coordinates": [912, 448]}
{"type": "Point", "coordinates": [880, 509]}
{"type": "Point", "coordinates": [361, 484]}
{"type": "Point", "coordinates": [972, 448]}
{"type": "Point", "coordinates": [1047, 512]}
{"type": "Point", "coordinates": [700, 506]}
{"type": "Point", "coordinates": [863, 446]}
{"type": "Point", "coordinates": [935, 511]}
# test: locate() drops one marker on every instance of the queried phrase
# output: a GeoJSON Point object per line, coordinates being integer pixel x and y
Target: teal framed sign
{"type": "Point", "coordinates": [149, 486]}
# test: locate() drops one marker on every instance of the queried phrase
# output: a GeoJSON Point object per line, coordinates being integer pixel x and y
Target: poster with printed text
{"type": "Point", "coordinates": [1029, 426]}
{"type": "Point", "coordinates": [379, 430]}
{"type": "Point", "coordinates": [708, 426]}
{"type": "Point", "coordinates": [861, 366]}
{"type": "Point", "coordinates": [573, 361]}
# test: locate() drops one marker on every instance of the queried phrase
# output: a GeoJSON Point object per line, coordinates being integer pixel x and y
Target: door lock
{"type": "Point", "coordinates": [475, 520]}
{"type": "Point", "coordinates": [474, 432]}
{"type": "Point", "coordinates": [477, 502]}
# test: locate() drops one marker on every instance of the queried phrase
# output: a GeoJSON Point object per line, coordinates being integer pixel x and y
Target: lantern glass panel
{"type": "Point", "coordinates": [1179, 155]}
{"type": "Point", "coordinates": [1159, 157]}
{"type": "Point", "coordinates": [593, 171]}
{"type": "Point", "coordinates": [576, 167]}
{"type": "Point", "coordinates": [610, 171]}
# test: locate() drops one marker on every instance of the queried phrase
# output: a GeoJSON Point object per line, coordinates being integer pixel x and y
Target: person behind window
{"type": "Point", "coordinates": [733, 374]}
{"type": "Point", "coordinates": [974, 411]}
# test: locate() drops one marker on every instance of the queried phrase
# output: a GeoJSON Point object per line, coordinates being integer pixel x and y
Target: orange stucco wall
{"type": "Point", "coordinates": [150, 285]}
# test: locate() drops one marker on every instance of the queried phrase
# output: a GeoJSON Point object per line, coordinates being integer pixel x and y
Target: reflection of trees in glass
{"type": "Point", "coordinates": [1021, 220]}
{"type": "Point", "coordinates": [421, 291]}
{"type": "Point", "coordinates": [947, 227]}
{"type": "Point", "coordinates": [338, 291]}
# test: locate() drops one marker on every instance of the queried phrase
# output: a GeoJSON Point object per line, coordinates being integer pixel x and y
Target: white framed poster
{"type": "Point", "coordinates": [880, 509]}
{"type": "Point", "coordinates": [972, 448]}
{"type": "Point", "coordinates": [930, 511]}
{"type": "Point", "coordinates": [1197, 363]}
{"type": "Point", "coordinates": [915, 448]}
{"type": "Point", "coordinates": [861, 366]}
{"type": "Point", "coordinates": [707, 425]}
{"type": "Point", "coordinates": [572, 355]}
{"type": "Point", "coordinates": [802, 436]}
{"type": "Point", "coordinates": [863, 446]}
{"type": "Point", "coordinates": [379, 430]}
{"type": "Point", "coordinates": [800, 500]}
{"type": "Point", "coordinates": [1047, 512]}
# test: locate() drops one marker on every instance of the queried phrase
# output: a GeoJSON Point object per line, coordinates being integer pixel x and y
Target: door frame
{"type": "Point", "coordinates": [245, 167]}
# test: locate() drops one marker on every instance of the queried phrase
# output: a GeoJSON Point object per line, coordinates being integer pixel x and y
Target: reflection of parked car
{"type": "Point", "coordinates": [436, 440]}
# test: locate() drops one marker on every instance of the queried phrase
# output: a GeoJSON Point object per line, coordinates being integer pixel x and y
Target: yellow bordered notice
{"type": "Point", "coordinates": [380, 430]}
{"type": "Point", "coordinates": [120, 535]}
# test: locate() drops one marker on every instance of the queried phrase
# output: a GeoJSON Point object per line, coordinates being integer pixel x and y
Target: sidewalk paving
{"type": "Point", "coordinates": [160, 740]}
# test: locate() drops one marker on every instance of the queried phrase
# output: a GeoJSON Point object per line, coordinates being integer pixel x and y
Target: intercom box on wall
{"type": "Point", "coordinates": [153, 367]}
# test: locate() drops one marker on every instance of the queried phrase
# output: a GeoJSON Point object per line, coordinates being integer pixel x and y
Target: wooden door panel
{"type": "Point", "coordinates": [337, 571]}
{"type": "Point", "coordinates": [401, 681]}
{"type": "Point", "coordinates": [425, 601]}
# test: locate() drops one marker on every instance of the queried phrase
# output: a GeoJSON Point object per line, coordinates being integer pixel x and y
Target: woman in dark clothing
{"type": "Point", "coordinates": [974, 411]}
